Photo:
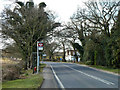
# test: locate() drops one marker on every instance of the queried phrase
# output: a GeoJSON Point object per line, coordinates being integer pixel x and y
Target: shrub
{"type": "Point", "coordinates": [11, 72]}
{"type": "Point", "coordinates": [26, 74]}
{"type": "Point", "coordinates": [88, 62]}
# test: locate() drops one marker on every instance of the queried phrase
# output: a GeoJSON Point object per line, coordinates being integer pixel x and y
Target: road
{"type": "Point", "coordinates": [69, 75]}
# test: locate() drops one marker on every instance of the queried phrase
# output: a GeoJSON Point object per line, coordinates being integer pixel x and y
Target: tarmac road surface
{"type": "Point", "coordinates": [69, 75]}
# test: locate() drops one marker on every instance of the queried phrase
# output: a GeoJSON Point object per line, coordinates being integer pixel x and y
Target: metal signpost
{"type": "Point", "coordinates": [39, 47]}
{"type": "Point", "coordinates": [43, 56]}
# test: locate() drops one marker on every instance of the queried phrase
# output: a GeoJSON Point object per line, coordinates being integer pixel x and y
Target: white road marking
{"type": "Point", "coordinates": [99, 70]}
{"type": "Point", "coordinates": [60, 83]}
{"type": "Point", "coordinates": [94, 77]}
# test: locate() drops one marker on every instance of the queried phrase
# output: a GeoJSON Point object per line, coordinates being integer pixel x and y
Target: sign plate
{"type": "Point", "coordinates": [40, 46]}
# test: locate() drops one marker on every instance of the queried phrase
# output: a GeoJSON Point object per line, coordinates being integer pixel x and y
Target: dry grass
{"type": "Point", "coordinates": [10, 69]}
{"type": "Point", "coordinates": [8, 61]}
{"type": "Point", "coordinates": [30, 80]}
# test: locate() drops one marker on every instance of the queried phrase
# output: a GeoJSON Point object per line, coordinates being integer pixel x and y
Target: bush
{"type": "Point", "coordinates": [88, 62]}
{"type": "Point", "coordinates": [11, 72]}
{"type": "Point", "coordinates": [26, 74]}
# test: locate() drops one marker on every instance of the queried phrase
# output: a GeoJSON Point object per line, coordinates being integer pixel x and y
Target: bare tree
{"type": "Point", "coordinates": [50, 48]}
{"type": "Point", "coordinates": [26, 24]}
{"type": "Point", "coordinates": [100, 15]}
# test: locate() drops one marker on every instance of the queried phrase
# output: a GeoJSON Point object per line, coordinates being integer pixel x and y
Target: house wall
{"type": "Point", "coordinates": [70, 55]}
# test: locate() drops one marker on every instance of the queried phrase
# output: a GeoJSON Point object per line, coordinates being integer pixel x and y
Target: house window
{"type": "Point", "coordinates": [71, 53]}
{"type": "Point", "coordinates": [68, 52]}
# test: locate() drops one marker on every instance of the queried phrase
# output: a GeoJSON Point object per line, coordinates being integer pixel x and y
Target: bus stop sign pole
{"type": "Point", "coordinates": [37, 58]}
{"type": "Point", "coordinates": [39, 47]}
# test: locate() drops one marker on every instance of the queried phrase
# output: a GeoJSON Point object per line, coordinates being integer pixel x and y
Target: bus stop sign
{"type": "Point", "coordinates": [40, 46]}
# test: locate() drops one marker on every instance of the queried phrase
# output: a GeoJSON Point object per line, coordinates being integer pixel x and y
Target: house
{"type": "Point", "coordinates": [70, 55]}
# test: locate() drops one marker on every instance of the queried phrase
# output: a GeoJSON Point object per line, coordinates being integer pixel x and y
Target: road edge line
{"type": "Point", "coordinates": [60, 83]}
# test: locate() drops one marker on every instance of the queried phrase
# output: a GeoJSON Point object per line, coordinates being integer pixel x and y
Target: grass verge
{"type": "Point", "coordinates": [31, 80]}
{"type": "Point", "coordinates": [106, 68]}
{"type": "Point", "coordinates": [102, 68]}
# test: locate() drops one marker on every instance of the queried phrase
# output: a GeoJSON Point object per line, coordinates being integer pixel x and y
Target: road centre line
{"type": "Point", "coordinates": [95, 69]}
{"type": "Point", "coordinates": [60, 83]}
{"type": "Point", "coordinates": [116, 74]}
{"type": "Point", "coordinates": [94, 77]}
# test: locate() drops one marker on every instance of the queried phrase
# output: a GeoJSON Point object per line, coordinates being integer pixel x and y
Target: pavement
{"type": "Point", "coordinates": [68, 75]}
{"type": "Point", "coordinates": [49, 80]}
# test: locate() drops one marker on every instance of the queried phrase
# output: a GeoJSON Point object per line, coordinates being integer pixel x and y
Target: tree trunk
{"type": "Point", "coordinates": [63, 52]}
{"type": "Point", "coordinates": [76, 58]}
{"type": "Point", "coordinates": [25, 68]}
{"type": "Point", "coordinates": [29, 63]}
{"type": "Point", "coordinates": [50, 58]}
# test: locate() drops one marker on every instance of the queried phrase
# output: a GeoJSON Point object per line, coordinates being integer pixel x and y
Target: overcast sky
{"type": "Point", "coordinates": [63, 8]}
